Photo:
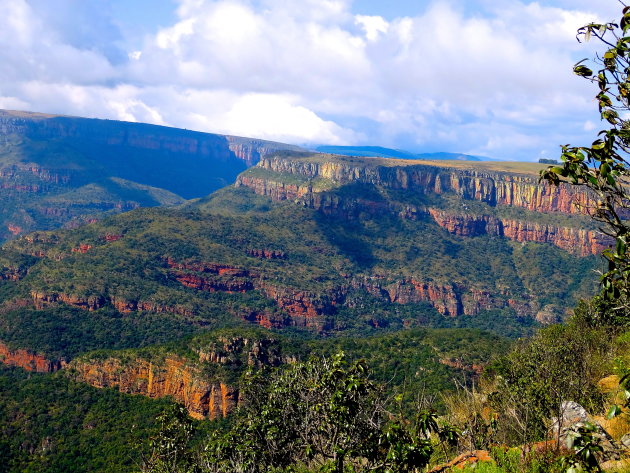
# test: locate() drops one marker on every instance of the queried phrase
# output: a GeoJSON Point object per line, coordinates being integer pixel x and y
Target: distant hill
{"type": "Point", "coordinates": [379, 151]}
{"type": "Point", "coordinates": [60, 170]}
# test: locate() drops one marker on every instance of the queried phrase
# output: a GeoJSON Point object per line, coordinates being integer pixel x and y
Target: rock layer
{"type": "Point", "coordinates": [493, 188]}
{"type": "Point", "coordinates": [575, 240]}
{"type": "Point", "coordinates": [29, 360]}
{"type": "Point", "coordinates": [174, 377]}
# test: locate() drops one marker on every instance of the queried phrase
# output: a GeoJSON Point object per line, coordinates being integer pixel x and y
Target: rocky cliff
{"type": "Point", "coordinates": [67, 171]}
{"type": "Point", "coordinates": [575, 240]}
{"type": "Point", "coordinates": [492, 187]}
{"type": "Point", "coordinates": [252, 150]}
{"type": "Point", "coordinates": [185, 380]}
{"type": "Point", "coordinates": [173, 377]}
{"type": "Point", "coordinates": [29, 360]}
{"type": "Point", "coordinates": [312, 182]}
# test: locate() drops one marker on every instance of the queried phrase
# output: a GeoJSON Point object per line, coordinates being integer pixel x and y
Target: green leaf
{"type": "Point", "coordinates": [614, 411]}
{"type": "Point", "coordinates": [582, 71]}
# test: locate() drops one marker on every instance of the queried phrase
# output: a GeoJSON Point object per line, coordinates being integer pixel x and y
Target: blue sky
{"type": "Point", "coordinates": [486, 77]}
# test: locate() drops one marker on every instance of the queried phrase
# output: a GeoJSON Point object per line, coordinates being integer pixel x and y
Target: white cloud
{"type": "Point", "coordinates": [372, 25]}
{"type": "Point", "coordinates": [495, 81]}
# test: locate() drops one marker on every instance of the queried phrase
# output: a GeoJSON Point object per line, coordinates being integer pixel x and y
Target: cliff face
{"type": "Point", "coordinates": [252, 150]}
{"type": "Point", "coordinates": [185, 380]}
{"type": "Point", "coordinates": [80, 162]}
{"type": "Point", "coordinates": [448, 299]}
{"type": "Point", "coordinates": [94, 302]}
{"type": "Point", "coordinates": [28, 360]}
{"type": "Point", "coordinates": [493, 188]}
{"type": "Point", "coordinates": [574, 240]}
{"type": "Point", "coordinates": [174, 377]}
{"type": "Point", "coordinates": [304, 308]}
{"type": "Point", "coordinates": [112, 133]}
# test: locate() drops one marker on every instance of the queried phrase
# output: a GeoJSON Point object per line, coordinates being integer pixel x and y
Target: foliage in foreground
{"type": "Point", "coordinates": [603, 167]}
{"type": "Point", "coordinates": [321, 415]}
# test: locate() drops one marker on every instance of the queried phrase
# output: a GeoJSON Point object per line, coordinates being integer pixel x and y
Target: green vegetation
{"type": "Point", "coordinates": [359, 269]}
{"type": "Point", "coordinates": [351, 268]}
{"type": "Point", "coordinates": [333, 419]}
{"type": "Point", "coordinates": [322, 413]}
{"type": "Point", "coordinates": [50, 424]}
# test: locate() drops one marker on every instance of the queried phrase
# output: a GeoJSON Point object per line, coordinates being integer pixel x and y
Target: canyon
{"type": "Point", "coordinates": [302, 242]}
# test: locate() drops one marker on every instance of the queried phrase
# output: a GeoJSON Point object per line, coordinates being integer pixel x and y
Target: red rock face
{"type": "Point", "coordinates": [448, 299]}
{"type": "Point", "coordinates": [111, 237]}
{"type": "Point", "coordinates": [266, 320]}
{"type": "Point", "coordinates": [82, 249]}
{"type": "Point", "coordinates": [573, 240]}
{"type": "Point", "coordinates": [41, 300]}
{"type": "Point", "coordinates": [14, 229]}
{"type": "Point", "coordinates": [303, 307]}
{"type": "Point", "coordinates": [28, 360]}
{"type": "Point", "coordinates": [494, 188]}
{"type": "Point", "coordinates": [458, 364]}
{"type": "Point", "coordinates": [91, 303]}
{"type": "Point", "coordinates": [205, 284]}
{"type": "Point", "coordinates": [174, 377]}
{"type": "Point", "coordinates": [11, 274]}
{"type": "Point", "coordinates": [182, 379]}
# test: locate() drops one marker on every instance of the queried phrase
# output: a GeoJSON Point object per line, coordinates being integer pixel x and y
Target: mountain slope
{"type": "Point", "coordinates": [58, 170]}
{"type": "Point", "coordinates": [308, 242]}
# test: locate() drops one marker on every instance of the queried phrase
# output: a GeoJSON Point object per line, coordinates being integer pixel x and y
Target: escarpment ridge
{"type": "Point", "coordinates": [312, 180]}
{"type": "Point", "coordinates": [67, 171]}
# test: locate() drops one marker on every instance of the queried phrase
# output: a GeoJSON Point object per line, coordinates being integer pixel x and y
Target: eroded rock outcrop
{"type": "Point", "coordinates": [184, 380]}
{"type": "Point", "coordinates": [266, 254]}
{"type": "Point", "coordinates": [574, 240]}
{"type": "Point", "coordinates": [173, 377]}
{"type": "Point", "coordinates": [252, 150]}
{"type": "Point", "coordinates": [493, 188]}
{"type": "Point", "coordinates": [42, 299]}
{"type": "Point", "coordinates": [29, 360]}
{"type": "Point", "coordinates": [448, 299]}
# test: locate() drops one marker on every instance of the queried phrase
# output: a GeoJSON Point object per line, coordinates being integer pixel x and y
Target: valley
{"type": "Point", "coordinates": [399, 262]}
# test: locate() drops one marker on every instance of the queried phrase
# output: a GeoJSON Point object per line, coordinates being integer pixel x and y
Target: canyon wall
{"type": "Point", "coordinates": [173, 377]}
{"type": "Point", "coordinates": [113, 133]}
{"type": "Point", "coordinates": [574, 240]}
{"type": "Point", "coordinates": [29, 360]}
{"type": "Point", "coordinates": [493, 188]}
{"type": "Point", "coordinates": [185, 380]}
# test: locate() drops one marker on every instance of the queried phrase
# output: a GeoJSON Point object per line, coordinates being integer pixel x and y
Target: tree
{"type": "Point", "coordinates": [603, 168]}
{"type": "Point", "coordinates": [325, 415]}
{"type": "Point", "coordinates": [170, 448]}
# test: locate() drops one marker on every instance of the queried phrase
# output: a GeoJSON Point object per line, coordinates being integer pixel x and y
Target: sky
{"type": "Point", "coordinates": [484, 77]}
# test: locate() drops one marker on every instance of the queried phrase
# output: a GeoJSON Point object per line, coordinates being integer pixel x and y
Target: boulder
{"type": "Point", "coordinates": [575, 416]}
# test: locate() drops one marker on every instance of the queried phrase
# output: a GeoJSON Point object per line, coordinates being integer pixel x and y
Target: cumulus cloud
{"type": "Point", "coordinates": [491, 78]}
{"type": "Point", "coordinates": [372, 25]}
